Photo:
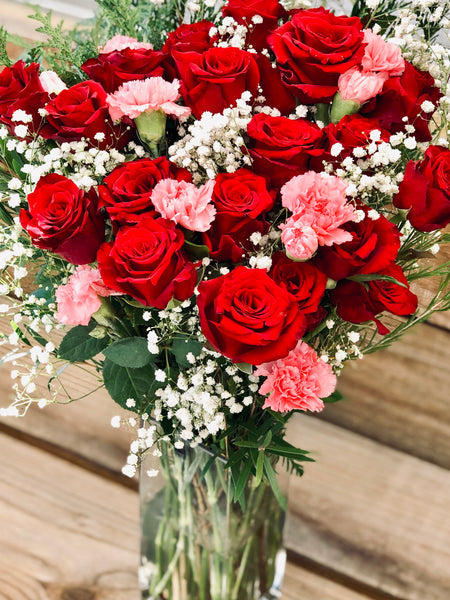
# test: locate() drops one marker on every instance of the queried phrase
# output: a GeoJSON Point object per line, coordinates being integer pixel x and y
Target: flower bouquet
{"type": "Point", "coordinates": [220, 206]}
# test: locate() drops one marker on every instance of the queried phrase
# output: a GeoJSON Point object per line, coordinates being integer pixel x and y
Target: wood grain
{"type": "Point", "coordinates": [301, 584]}
{"type": "Point", "coordinates": [401, 395]}
{"type": "Point", "coordinates": [63, 529]}
{"type": "Point", "coordinates": [371, 513]}
{"type": "Point", "coordinates": [66, 534]}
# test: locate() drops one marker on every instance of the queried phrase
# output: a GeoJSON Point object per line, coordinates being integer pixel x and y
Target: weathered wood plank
{"type": "Point", "coordinates": [63, 529]}
{"type": "Point", "coordinates": [301, 584]}
{"type": "Point", "coordinates": [66, 534]}
{"type": "Point", "coordinates": [401, 395]}
{"type": "Point", "coordinates": [371, 513]}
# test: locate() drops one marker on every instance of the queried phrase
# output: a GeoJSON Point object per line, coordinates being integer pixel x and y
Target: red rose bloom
{"type": "Point", "coordinates": [276, 94]}
{"type": "Point", "coordinates": [114, 68]}
{"type": "Point", "coordinates": [126, 191]}
{"type": "Point", "coordinates": [359, 302]}
{"type": "Point", "coordinates": [242, 12]}
{"type": "Point", "coordinates": [301, 279]}
{"type": "Point", "coordinates": [313, 49]}
{"type": "Point", "coordinates": [21, 89]}
{"type": "Point", "coordinates": [374, 246]}
{"type": "Point", "coordinates": [81, 112]}
{"type": "Point", "coordinates": [352, 131]}
{"type": "Point", "coordinates": [189, 37]}
{"type": "Point", "coordinates": [215, 79]}
{"type": "Point", "coordinates": [240, 198]}
{"type": "Point", "coordinates": [425, 190]}
{"type": "Point", "coordinates": [242, 193]}
{"type": "Point", "coordinates": [282, 148]}
{"type": "Point", "coordinates": [402, 97]}
{"type": "Point", "coordinates": [146, 261]}
{"type": "Point", "coordinates": [247, 317]}
{"type": "Point", "coordinates": [64, 219]}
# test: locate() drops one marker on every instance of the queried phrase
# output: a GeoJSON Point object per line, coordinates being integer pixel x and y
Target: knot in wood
{"type": "Point", "coordinates": [77, 594]}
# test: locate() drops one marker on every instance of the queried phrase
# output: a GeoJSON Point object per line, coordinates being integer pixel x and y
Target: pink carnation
{"type": "Point", "coordinates": [120, 42]}
{"type": "Point", "coordinates": [380, 56]}
{"type": "Point", "coordinates": [79, 299]}
{"type": "Point", "coordinates": [184, 203]}
{"type": "Point", "coordinates": [136, 97]}
{"type": "Point", "coordinates": [299, 239]}
{"type": "Point", "coordinates": [51, 82]}
{"type": "Point", "coordinates": [297, 381]}
{"type": "Point", "coordinates": [318, 202]}
{"type": "Point", "coordinates": [361, 86]}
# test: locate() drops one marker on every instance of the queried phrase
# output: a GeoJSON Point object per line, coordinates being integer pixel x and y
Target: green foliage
{"type": "Point", "coordinates": [120, 14]}
{"type": "Point", "coordinates": [334, 397]}
{"type": "Point", "coordinates": [124, 383]}
{"type": "Point", "coordinates": [4, 58]}
{"type": "Point", "coordinates": [78, 346]}
{"type": "Point", "coordinates": [59, 50]}
{"type": "Point", "coordinates": [181, 346]}
{"type": "Point", "coordinates": [130, 352]}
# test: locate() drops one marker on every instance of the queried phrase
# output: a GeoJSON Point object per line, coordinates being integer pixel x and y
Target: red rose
{"type": "Point", "coordinates": [282, 148]}
{"type": "Point", "coordinates": [115, 68]}
{"type": "Point", "coordinates": [240, 198]}
{"type": "Point", "coordinates": [359, 302]}
{"type": "Point", "coordinates": [146, 261]}
{"type": "Point", "coordinates": [242, 12]}
{"type": "Point", "coordinates": [425, 190]}
{"type": "Point", "coordinates": [21, 89]}
{"type": "Point", "coordinates": [374, 246]}
{"type": "Point", "coordinates": [242, 193]}
{"type": "Point", "coordinates": [190, 37]}
{"type": "Point", "coordinates": [301, 279]}
{"type": "Point", "coordinates": [215, 79]}
{"type": "Point", "coordinates": [126, 191]}
{"type": "Point", "coordinates": [403, 97]}
{"type": "Point", "coordinates": [64, 219]}
{"type": "Point", "coordinates": [81, 112]}
{"type": "Point", "coordinates": [352, 131]}
{"type": "Point", "coordinates": [313, 49]}
{"type": "Point", "coordinates": [276, 94]}
{"type": "Point", "coordinates": [247, 317]}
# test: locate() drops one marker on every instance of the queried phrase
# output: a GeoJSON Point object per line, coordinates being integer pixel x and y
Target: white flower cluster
{"type": "Point", "coordinates": [344, 348]}
{"type": "Point", "coordinates": [373, 169]}
{"type": "Point", "coordinates": [198, 403]}
{"type": "Point", "coordinates": [231, 33]}
{"type": "Point", "coordinates": [214, 142]}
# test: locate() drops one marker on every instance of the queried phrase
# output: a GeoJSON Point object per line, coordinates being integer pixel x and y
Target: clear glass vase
{"type": "Point", "coordinates": [197, 543]}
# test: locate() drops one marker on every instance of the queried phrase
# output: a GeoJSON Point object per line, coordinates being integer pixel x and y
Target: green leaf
{"type": "Point", "coordinates": [242, 480]}
{"type": "Point", "coordinates": [77, 345]}
{"type": "Point", "coordinates": [361, 278]}
{"type": "Point", "coordinates": [334, 397]}
{"type": "Point", "coordinates": [123, 383]}
{"type": "Point", "coordinates": [245, 368]}
{"type": "Point", "coordinates": [259, 467]}
{"type": "Point", "coordinates": [272, 479]}
{"type": "Point", "coordinates": [196, 250]}
{"type": "Point", "coordinates": [130, 352]}
{"type": "Point", "coordinates": [181, 346]}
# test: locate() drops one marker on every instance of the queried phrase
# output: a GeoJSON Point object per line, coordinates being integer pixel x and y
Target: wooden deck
{"type": "Point", "coordinates": [369, 520]}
